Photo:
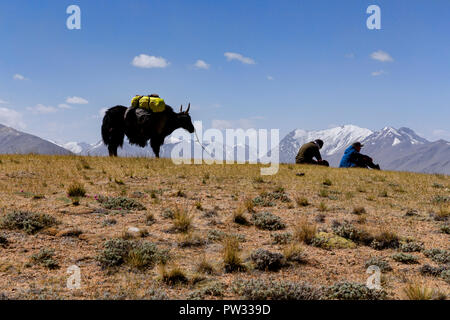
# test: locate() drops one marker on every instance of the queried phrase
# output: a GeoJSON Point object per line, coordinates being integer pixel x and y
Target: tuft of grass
{"type": "Point", "coordinates": [150, 219]}
{"type": "Point", "coordinates": [198, 205]}
{"type": "Point", "coordinates": [28, 222]}
{"type": "Point", "coordinates": [323, 193]}
{"type": "Point", "coordinates": [386, 240]}
{"type": "Point", "coordinates": [174, 276]}
{"type": "Point", "coordinates": [182, 220]}
{"type": "Point", "coordinates": [415, 291]}
{"type": "Point", "coordinates": [301, 201]}
{"type": "Point", "coordinates": [204, 266]}
{"type": "Point", "coordinates": [239, 217]}
{"type": "Point", "coordinates": [359, 210]}
{"type": "Point", "coordinates": [322, 207]}
{"type": "Point", "coordinates": [294, 253]}
{"type": "Point", "coordinates": [327, 182]}
{"type": "Point", "coordinates": [305, 231]}
{"type": "Point", "coordinates": [191, 239]}
{"type": "Point", "coordinates": [249, 205]}
{"type": "Point", "coordinates": [231, 256]}
{"type": "Point", "coordinates": [76, 190]}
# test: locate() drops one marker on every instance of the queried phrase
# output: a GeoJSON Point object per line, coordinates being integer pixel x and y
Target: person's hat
{"type": "Point", "coordinates": [319, 142]}
{"type": "Point", "coordinates": [358, 144]}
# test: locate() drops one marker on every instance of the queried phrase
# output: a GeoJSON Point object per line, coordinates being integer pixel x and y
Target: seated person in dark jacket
{"type": "Point", "coordinates": [354, 159]}
{"type": "Point", "coordinates": [309, 151]}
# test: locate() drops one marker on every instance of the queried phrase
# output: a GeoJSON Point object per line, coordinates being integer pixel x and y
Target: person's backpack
{"type": "Point", "coordinates": [151, 103]}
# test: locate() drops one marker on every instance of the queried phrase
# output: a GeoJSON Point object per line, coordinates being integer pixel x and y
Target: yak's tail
{"type": "Point", "coordinates": [113, 128]}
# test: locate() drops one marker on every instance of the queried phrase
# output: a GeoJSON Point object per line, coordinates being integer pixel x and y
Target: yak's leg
{"type": "Point", "coordinates": [112, 150]}
{"type": "Point", "coordinates": [156, 143]}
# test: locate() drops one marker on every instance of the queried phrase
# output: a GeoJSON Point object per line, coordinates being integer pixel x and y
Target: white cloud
{"type": "Point", "coordinates": [200, 64]}
{"type": "Point", "coordinates": [42, 109]}
{"type": "Point", "coordinates": [19, 77]}
{"type": "Point", "coordinates": [3, 101]}
{"type": "Point", "coordinates": [269, 78]}
{"type": "Point", "coordinates": [64, 106]}
{"type": "Point", "coordinates": [76, 100]}
{"type": "Point", "coordinates": [239, 57]}
{"type": "Point", "coordinates": [11, 118]}
{"type": "Point", "coordinates": [378, 73]}
{"type": "Point", "coordinates": [381, 56]}
{"type": "Point", "coordinates": [145, 61]}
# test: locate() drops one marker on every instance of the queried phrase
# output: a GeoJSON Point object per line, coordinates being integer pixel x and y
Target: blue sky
{"type": "Point", "coordinates": [264, 64]}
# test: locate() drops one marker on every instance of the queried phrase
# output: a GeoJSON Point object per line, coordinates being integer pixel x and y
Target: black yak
{"type": "Point", "coordinates": [140, 126]}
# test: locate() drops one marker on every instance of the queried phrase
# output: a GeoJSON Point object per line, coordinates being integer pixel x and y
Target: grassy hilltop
{"type": "Point", "coordinates": [146, 228]}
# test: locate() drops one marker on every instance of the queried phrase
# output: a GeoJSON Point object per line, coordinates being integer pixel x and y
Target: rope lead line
{"type": "Point", "coordinates": [198, 141]}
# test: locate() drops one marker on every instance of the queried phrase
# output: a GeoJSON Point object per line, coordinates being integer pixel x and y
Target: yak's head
{"type": "Point", "coordinates": [184, 119]}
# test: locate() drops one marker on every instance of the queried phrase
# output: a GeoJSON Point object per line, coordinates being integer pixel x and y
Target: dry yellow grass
{"type": "Point", "coordinates": [40, 184]}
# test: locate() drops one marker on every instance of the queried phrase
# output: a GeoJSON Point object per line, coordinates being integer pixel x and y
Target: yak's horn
{"type": "Point", "coordinates": [181, 108]}
{"type": "Point", "coordinates": [189, 107]}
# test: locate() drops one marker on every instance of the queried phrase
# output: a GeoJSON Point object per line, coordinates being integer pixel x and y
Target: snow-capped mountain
{"type": "Point", "coordinates": [394, 149]}
{"type": "Point", "coordinates": [335, 140]}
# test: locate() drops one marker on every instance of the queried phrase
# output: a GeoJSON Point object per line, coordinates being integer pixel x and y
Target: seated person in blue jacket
{"type": "Point", "coordinates": [354, 159]}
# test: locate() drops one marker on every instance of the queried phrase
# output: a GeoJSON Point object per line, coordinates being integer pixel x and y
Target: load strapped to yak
{"type": "Point", "coordinates": [151, 103]}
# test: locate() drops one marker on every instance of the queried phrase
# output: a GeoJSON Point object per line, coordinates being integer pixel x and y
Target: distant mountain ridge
{"type": "Point", "coordinates": [394, 149]}
{"type": "Point", "coordinates": [16, 142]}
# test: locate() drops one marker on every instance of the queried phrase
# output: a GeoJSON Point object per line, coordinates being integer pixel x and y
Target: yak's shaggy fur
{"type": "Point", "coordinates": [141, 126]}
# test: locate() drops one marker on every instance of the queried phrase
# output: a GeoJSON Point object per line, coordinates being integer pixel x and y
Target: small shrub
{"type": "Point", "coordinates": [305, 231]}
{"type": "Point", "coordinates": [267, 221]}
{"type": "Point", "coordinates": [441, 271]}
{"type": "Point", "coordinates": [120, 203]}
{"type": "Point", "coordinates": [405, 258]}
{"type": "Point", "coordinates": [109, 222]}
{"type": "Point", "coordinates": [359, 210]}
{"type": "Point", "coordinates": [327, 182]}
{"type": "Point", "coordinates": [354, 291]}
{"type": "Point", "coordinates": [320, 218]}
{"type": "Point", "coordinates": [350, 232]}
{"type": "Point", "coordinates": [411, 246]}
{"type": "Point", "coordinates": [141, 255]}
{"type": "Point", "coordinates": [385, 240]}
{"type": "Point", "coordinates": [445, 228]}
{"type": "Point", "coordinates": [231, 258]}
{"type": "Point", "coordinates": [267, 261]}
{"type": "Point", "coordinates": [215, 289]}
{"type": "Point", "coordinates": [3, 241]}
{"type": "Point", "coordinates": [45, 257]}
{"type": "Point", "coordinates": [438, 255]}
{"type": "Point", "coordinates": [281, 238]}
{"type": "Point", "coordinates": [181, 194]}
{"type": "Point", "coordinates": [28, 222]}
{"type": "Point", "coordinates": [198, 205]}
{"type": "Point", "coordinates": [380, 263]}
{"type": "Point", "coordinates": [257, 289]}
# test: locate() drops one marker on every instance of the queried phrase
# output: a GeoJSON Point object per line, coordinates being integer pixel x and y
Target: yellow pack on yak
{"type": "Point", "coordinates": [149, 103]}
